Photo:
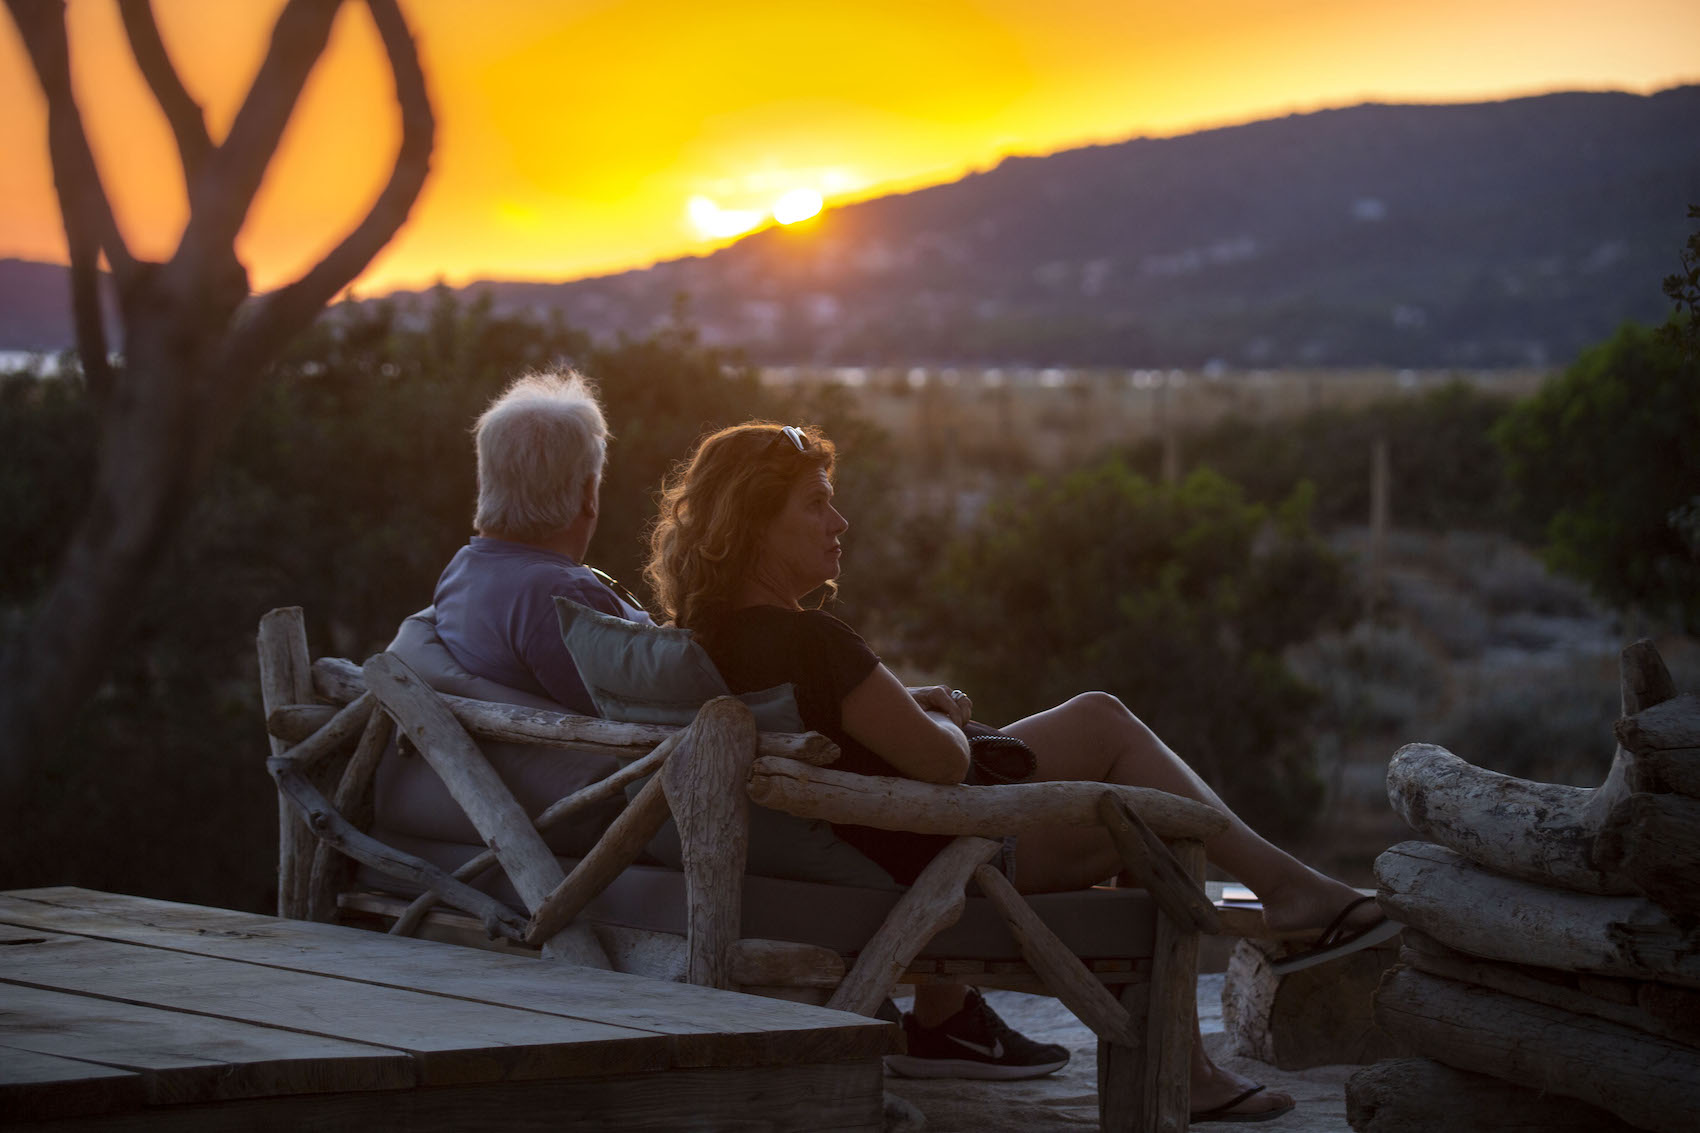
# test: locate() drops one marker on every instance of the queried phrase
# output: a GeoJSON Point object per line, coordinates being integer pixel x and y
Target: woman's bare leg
{"type": "Point", "coordinates": [1096, 739]}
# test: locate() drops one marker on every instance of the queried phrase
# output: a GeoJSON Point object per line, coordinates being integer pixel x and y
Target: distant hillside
{"type": "Point", "coordinates": [1490, 234]}
{"type": "Point", "coordinates": [35, 307]}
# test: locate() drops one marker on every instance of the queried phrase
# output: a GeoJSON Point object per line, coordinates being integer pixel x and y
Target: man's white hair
{"type": "Point", "coordinates": [541, 445]}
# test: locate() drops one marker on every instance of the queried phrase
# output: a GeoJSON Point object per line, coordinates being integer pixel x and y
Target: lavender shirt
{"type": "Point", "coordinates": [496, 613]}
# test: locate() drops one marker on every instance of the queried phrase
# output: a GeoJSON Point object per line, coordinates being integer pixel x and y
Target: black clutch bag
{"type": "Point", "coordinates": [995, 758]}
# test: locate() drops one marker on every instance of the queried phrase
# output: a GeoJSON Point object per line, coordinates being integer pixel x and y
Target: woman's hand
{"type": "Point", "coordinates": [953, 702]}
{"type": "Point", "coordinates": [913, 729]}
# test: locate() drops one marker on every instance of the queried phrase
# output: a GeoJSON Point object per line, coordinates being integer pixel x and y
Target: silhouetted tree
{"type": "Point", "coordinates": [196, 341]}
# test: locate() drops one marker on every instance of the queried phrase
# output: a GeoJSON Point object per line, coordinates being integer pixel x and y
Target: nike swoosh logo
{"type": "Point", "coordinates": [995, 1051]}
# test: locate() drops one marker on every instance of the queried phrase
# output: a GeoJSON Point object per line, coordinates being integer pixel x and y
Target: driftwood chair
{"type": "Point", "coordinates": [1123, 960]}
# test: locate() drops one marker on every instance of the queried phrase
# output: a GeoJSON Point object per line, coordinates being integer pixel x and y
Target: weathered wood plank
{"type": "Point", "coordinates": [342, 681]}
{"type": "Point", "coordinates": [1539, 832]}
{"type": "Point", "coordinates": [1321, 1016]}
{"type": "Point", "coordinates": [1667, 772]}
{"type": "Point", "coordinates": [181, 1058]}
{"type": "Point", "coordinates": [45, 1087]}
{"type": "Point", "coordinates": [618, 848]}
{"type": "Point", "coordinates": [1169, 1027]}
{"type": "Point", "coordinates": [990, 812]}
{"type": "Point", "coordinates": [1672, 725]}
{"type": "Point", "coordinates": [1064, 975]}
{"type": "Point", "coordinates": [452, 1040]}
{"type": "Point", "coordinates": [286, 678]}
{"type": "Point", "coordinates": [842, 1097]}
{"type": "Point", "coordinates": [1474, 910]}
{"type": "Point", "coordinates": [559, 811]}
{"type": "Point", "coordinates": [783, 963]}
{"type": "Point", "coordinates": [707, 1027]}
{"type": "Point", "coordinates": [353, 800]}
{"type": "Point", "coordinates": [1671, 1013]}
{"type": "Point", "coordinates": [1154, 867]}
{"type": "Point", "coordinates": [704, 782]}
{"type": "Point", "coordinates": [1418, 1095]}
{"type": "Point", "coordinates": [332, 828]}
{"type": "Point", "coordinates": [1122, 1082]}
{"type": "Point", "coordinates": [338, 732]}
{"type": "Point", "coordinates": [486, 800]}
{"type": "Point", "coordinates": [1655, 841]}
{"type": "Point", "coordinates": [1646, 1081]}
{"type": "Point", "coordinates": [934, 902]}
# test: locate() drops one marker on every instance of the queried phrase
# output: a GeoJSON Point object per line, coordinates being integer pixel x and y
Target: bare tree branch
{"type": "Point", "coordinates": [90, 226]}
{"type": "Point", "coordinates": [88, 319]}
{"type": "Point", "coordinates": [220, 197]}
{"type": "Point", "coordinates": [282, 314]}
{"type": "Point", "coordinates": [188, 124]}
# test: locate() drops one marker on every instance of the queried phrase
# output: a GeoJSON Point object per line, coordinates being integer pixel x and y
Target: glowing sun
{"type": "Point", "coordinates": [798, 204]}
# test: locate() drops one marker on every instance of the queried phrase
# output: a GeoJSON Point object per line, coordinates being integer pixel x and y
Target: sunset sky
{"type": "Point", "coordinates": [579, 138]}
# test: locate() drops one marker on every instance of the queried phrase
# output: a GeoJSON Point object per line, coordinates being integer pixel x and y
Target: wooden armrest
{"type": "Point", "coordinates": [340, 681]}
{"type": "Point", "coordinates": [987, 812]}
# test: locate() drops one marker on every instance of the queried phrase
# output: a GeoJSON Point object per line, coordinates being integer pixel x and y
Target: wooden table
{"type": "Point", "coordinates": [127, 1013]}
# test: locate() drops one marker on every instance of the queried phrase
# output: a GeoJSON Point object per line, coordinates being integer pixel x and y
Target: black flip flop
{"type": "Point", "coordinates": [1335, 941]}
{"type": "Point", "coordinates": [1224, 1112]}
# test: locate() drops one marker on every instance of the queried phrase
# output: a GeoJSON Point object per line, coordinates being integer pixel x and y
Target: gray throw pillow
{"type": "Point", "coordinates": [648, 674]}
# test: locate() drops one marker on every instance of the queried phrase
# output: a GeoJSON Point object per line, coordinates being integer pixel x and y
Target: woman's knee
{"type": "Point", "coordinates": [1105, 712]}
{"type": "Point", "coordinates": [1114, 727]}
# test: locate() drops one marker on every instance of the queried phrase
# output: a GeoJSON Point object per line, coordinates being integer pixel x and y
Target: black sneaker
{"type": "Point", "coordinates": [973, 1043]}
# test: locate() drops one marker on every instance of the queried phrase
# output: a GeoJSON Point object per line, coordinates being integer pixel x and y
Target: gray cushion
{"type": "Point", "coordinates": [650, 674]}
{"type": "Point", "coordinates": [1093, 923]}
{"type": "Point", "coordinates": [411, 799]}
{"type": "Point", "coordinates": [659, 675]}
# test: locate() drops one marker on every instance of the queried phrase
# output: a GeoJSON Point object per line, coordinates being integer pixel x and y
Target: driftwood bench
{"type": "Point", "coordinates": [330, 720]}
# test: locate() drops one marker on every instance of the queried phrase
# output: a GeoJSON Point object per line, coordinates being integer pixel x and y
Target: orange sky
{"type": "Point", "coordinates": [573, 137]}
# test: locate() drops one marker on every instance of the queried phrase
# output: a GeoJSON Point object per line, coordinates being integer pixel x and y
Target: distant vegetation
{"type": "Point", "coordinates": [350, 483]}
{"type": "Point", "coordinates": [1445, 470]}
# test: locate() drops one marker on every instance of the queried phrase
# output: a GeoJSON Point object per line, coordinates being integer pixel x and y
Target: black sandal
{"type": "Point", "coordinates": [1336, 941]}
{"type": "Point", "coordinates": [1224, 1112]}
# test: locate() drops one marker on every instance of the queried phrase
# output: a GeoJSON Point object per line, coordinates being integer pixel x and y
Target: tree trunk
{"type": "Point", "coordinates": [139, 500]}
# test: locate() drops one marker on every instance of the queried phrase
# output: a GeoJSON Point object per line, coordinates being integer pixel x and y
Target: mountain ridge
{"type": "Point", "coordinates": [1466, 234]}
{"type": "Point", "coordinates": [1508, 233]}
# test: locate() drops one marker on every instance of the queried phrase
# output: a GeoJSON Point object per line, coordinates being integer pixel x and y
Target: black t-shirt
{"type": "Point", "coordinates": [762, 646]}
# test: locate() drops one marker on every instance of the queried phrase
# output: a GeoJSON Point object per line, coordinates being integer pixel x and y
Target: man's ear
{"type": "Point", "coordinates": [591, 505]}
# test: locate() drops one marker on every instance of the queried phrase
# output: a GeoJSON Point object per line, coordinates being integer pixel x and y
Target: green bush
{"type": "Point", "coordinates": [1606, 461]}
{"type": "Point", "coordinates": [1179, 599]}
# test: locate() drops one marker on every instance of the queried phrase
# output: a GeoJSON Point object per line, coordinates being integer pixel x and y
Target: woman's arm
{"type": "Point", "coordinates": [924, 744]}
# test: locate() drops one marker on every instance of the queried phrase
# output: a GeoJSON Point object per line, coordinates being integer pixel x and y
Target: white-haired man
{"type": "Point", "coordinates": [492, 632]}
{"type": "Point", "coordinates": [541, 448]}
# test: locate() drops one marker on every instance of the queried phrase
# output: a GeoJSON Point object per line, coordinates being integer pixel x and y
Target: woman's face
{"type": "Point", "coordinates": [800, 550]}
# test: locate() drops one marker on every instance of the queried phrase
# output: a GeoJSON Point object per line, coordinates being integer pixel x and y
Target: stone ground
{"type": "Point", "coordinates": [1068, 1099]}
